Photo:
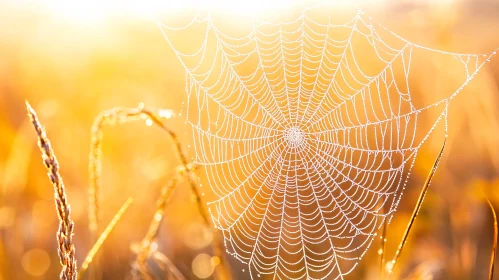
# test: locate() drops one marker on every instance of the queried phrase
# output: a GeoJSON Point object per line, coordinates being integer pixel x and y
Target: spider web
{"type": "Point", "coordinates": [308, 132]}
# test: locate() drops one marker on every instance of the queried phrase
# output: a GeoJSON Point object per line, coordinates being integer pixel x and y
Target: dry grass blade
{"type": "Point", "coordinates": [145, 252]}
{"type": "Point", "coordinates": [175, 273]}
{"type": "Point", "coordinates": [494, 246]}
{"type": "Point", "coordinates": [95, 169]}
{"type": "Point", "coordinates": [122, 115]}
{"type": "Point", "coordinates": [91, 254]}
{"type": "Point", "coordinates": [109, 117]}
{"type": "Point", "coordinates": [183, 161]}
{"type": "Point", "coordinates": [65, 232]}
{"type": "Point", "coordinates": [416, 210]}
{"type": "Point", "coordinates": [222, 270]}
{"type": "Point", "coordinates": [145, 247]}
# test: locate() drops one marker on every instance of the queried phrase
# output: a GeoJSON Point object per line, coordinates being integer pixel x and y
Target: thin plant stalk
{"type": "Point", "coordinates": [170, 266]}
{"type": "Point", "coordinates": [183, 161]}
{"type": "Point", "coordinates": [222, 270]}
{"type": "Point", "coordinates": [95, 169]}
{"type": "Point", "coordinates": [494, 246]}
{"type": "Point", "coordinates": [416, 210]}
{"type": "Point", "coordinates": [102, 238]}
{"type": "Point", "coordinates": [122, 115]}
{"type": "Point", "coordinates": [152, 232]}
{"type": "Point", "coordinates": [144, 252]}
{"type": "Point", "coordinates": [109, 117]}
{"type": "Point", "coordinates": [66, 248]}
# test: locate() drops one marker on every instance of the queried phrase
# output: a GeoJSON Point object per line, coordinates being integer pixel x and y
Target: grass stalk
{"type": "Point", "coordinates": [122, 115]}
{"type": "Point", "coordinates": [494, 246]}
{"type": "Point", "coordinates": [109, 117]}
{"type": "Point", "coordinates": [222, 270]}
{"type": "Point", "coordinates": [144, 252]}
{"type": "Point", "coordinates": [160, 258]}
{"type": "Point", "coordinates": [416, 210]}
{"type": "Point", "coordinates": [65, 232]}
{"type": "Point", "coordinates": [102, 238]}
{"type": "Point", "coordinates": [145, 245]}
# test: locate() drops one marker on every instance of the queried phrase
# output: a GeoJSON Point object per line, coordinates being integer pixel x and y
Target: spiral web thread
{"type": "Point", "coordinates": [308, 132]}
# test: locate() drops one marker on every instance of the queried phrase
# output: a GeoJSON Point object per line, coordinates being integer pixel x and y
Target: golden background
{"type": "Point", "coordinates": [71, 63]}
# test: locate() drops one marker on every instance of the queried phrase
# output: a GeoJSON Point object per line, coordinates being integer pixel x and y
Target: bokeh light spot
{"type": "Point", "coordinates": [35, 262]}
{"type": "Point", "coordinates": [7, 216]}
{"type": "Point", "coordinates": [202, 267]}
{"type": "Point", "coordinates": [215, 261]}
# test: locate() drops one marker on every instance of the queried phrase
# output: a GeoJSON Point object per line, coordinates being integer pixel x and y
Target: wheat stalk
{"type": "Point", "coordinates": [65, 232]}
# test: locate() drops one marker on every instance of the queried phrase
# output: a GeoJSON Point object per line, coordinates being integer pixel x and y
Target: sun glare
{"type": "Point", "coordinates": [78, 11]}
{"type": "Point", "coordinates": [92, 11]}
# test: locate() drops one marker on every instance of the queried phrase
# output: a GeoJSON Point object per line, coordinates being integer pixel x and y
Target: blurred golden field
{"type": "Point", "coordinates": [71, 68]}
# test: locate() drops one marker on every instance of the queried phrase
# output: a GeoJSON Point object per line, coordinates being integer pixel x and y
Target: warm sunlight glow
{"type": "Point", "coordinates": [94, 10]}
{"type": "Point", "coordinates": [78, 11]}
{"type": "Point", "coordinates": [91, 11]}
{"type": "Point", "coordinates": [248, 139]}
